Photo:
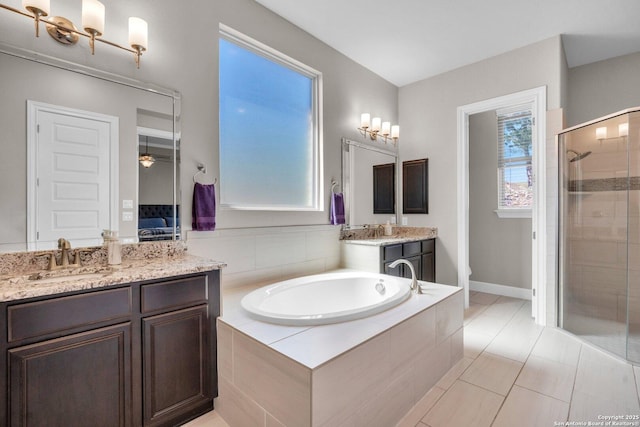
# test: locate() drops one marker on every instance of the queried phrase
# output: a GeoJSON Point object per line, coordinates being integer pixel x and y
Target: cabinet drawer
{"type": "Point", "coordinates": [428, 245]}
{"type": "Point", "coordinates": [173, 294]}
{"type": "Point", "coordinates": [56, 315]}
{"type": "Point", "coordinates": [411, 249]}
{"type": "Point", "coordinates": [391, 252]}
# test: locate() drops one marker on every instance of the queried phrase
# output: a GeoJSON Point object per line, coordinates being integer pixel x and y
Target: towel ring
{"type": "Point", "coordinates": [203, 170]}
{"type": "Point", "coordinates": [333, 185]}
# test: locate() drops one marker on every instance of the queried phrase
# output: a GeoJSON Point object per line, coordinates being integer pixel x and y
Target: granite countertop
{"type": "Point", "coordinates": [40, 283]}
{"type": "Point", "coordinates": [387, 240]}
{"type": "Point", "coordinates": [369, 235]}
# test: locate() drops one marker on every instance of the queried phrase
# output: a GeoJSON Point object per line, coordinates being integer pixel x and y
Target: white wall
{"type": "Point", "coordinates": [428, 119]}
{"type": "Point", "coordinates": [499, 248]}
{"type": "Point", "coordinates": [183, 52]}
{"type": "Point", "coordinates": [602, 88]}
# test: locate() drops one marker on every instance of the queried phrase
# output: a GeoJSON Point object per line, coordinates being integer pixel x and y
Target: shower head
{"type": "Point", "coordinates": [578, 156]}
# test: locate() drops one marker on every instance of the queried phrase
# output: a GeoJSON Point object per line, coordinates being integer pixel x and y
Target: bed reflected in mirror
{"type": "Point", "coordinates": [158, 213]}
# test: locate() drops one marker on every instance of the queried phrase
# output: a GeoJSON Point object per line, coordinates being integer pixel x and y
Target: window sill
{"type": "Point", "coordinates": [513, 213]}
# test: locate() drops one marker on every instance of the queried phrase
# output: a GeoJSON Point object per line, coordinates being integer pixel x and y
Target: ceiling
{"type": "Point", "coordinates": [409, 40]}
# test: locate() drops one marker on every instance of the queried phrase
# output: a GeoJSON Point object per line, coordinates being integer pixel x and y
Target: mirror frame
{"type": "Point", "coordinates": [173, 95]}
{"type": "Point", "coordinates": [347, 145]}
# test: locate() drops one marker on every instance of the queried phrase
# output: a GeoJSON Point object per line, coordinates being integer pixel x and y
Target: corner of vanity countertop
{"type": "Point", "coordinates": [23, 285]}
{"type": "Point", "coordinates": [401, 234]}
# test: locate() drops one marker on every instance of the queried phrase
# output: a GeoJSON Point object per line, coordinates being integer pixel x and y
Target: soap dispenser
{"type": "Point", "coordinates": [388, 230]}
{"type": "Point", "coordinates": [111, 241]}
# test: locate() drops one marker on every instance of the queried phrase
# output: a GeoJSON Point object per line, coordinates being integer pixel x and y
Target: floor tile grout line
{"type": "Point", "coordinates": [484, 388]}
{"type": "Point", "coordinates": [635, 378]}
{"type": "Point", "coordinates": [476, 314]}
{"type": "Point", "coordinates": [541, 394]}
{"type": "Point", "coordinates": [434, 403]}
{"type": "Point", "coordinates": [519, 372]}
{"type": "Point", "coordinates": [575, 378]}
{"type": "Point", "coordinates": [510, 389]}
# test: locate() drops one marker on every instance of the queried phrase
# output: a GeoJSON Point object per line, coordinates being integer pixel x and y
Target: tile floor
{"type": "Point", "coordinates": [516, 373]}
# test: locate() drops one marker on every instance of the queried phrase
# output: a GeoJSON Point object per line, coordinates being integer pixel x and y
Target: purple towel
{"type": "Point", "coordinates": [204, 207]}
{"type": "Point", "coordinates": [337, 209]}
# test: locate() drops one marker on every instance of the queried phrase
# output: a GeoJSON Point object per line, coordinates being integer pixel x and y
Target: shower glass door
{"type": "Point", "coordinates": [599, 265]}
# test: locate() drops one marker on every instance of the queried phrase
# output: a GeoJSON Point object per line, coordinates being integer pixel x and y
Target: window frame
{"type": "Point", "coordinates": [317, 191]}
{"type": "Point", "coordinates": [503, 211]}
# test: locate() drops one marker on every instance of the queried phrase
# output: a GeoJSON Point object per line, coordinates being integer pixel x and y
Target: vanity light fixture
{"type": "Point", "coordinates": [375, 128]}
{"type": "Point", "coordinates": [146, 159]}
{"type": "Point", "coordinates": [623, 129]}
{"type": "Point", "coordinates": [63, 30]}
{"type": "Point", "coordinates": [601, 133]}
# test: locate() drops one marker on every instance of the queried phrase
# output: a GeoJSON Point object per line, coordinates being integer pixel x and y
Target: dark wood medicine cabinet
{"type": "Point", "coordinates": [384, 189]}
{"type": "Point", "coordinates": [415, 186]}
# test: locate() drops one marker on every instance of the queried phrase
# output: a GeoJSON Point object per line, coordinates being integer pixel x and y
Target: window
{"type": "Point", "coordinates": [269, 128]}
{"type": "Point", "coordinates": [515, 180]}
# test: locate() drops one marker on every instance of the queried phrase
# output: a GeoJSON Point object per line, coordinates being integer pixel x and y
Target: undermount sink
{"type": "Point", "coordinates": [66, 278]}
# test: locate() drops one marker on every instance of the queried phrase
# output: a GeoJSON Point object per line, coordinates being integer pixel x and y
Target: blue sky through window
{"type": "Point", "coordinates": [267, 153]}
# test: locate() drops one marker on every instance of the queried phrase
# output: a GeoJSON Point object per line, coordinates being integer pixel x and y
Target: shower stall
{"type": "Point", "coordinates": [599, 240]}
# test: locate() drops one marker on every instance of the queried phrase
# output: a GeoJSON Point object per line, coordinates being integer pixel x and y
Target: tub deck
{"type": "Point", "coordinates": [337, 374]}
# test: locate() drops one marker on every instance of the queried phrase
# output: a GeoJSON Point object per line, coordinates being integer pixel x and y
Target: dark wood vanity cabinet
{"type": "Point", "coordinates": [420, 253]}
{"type": "Point", "coordinates": [175, 365]}
{"type": "Point", "coordinates": [142, 354]}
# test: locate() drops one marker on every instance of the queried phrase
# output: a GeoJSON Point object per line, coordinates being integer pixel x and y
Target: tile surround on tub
{"type": "Point", "coordinates": [346, 367]}
{"type": "Point", "coordinates": [267, 254]}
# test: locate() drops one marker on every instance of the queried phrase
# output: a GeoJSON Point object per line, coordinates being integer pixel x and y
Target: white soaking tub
{"type": "Point", "coordinates": [326, 298]}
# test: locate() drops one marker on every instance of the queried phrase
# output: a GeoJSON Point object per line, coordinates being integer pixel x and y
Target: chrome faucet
{"type": "Point", "coordinates": [64, 246]}
{"type": "Point", "coordinates": [414, 282]}
{"type": "Point", "coordinates": [375, 228]}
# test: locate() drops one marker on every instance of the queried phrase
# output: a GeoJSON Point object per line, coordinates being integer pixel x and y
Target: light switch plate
{"type": "Point", "coordinates": [127, 204]}
{"type": "Point", "coordinates": [127, 216]}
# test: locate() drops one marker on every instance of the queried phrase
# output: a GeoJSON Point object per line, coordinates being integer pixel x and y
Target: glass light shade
{"type": "Point", "coordinates": [138, 33]}
{"type": "Point", "coordinates": [365, 120]}
{"type": "Point", "coordinates": [601, 133]}
{"type": "Point", "coordinates": [395, 131]}
{"type": "Point", "coordinates": [376, 123]}
{"type": "Point", "coordinates": [146, 160]}
{"type": "Point", "coordinates": [386, 128]}
{"type": "Point", "coordinates": [42, 5]}
{"type": "Point", "coordinates": [623, 129]}
{"type": "Point", "coordinates": [93, 16]}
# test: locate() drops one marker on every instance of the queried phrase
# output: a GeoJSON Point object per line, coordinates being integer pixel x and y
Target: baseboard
{"type": "Point", "coordinates": [507, 291]}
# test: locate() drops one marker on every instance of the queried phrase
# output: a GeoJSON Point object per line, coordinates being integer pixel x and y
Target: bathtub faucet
{"type": "Point", "coordinates": [414, 281]}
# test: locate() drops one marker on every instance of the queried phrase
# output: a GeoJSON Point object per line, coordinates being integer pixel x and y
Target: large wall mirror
{"type": "Point", "coordinates": [71, 140]}
{"type": "Point", "coordinates": [360, 161]}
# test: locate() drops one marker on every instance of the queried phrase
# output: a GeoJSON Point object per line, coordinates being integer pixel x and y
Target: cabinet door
{"type": "Point", "coordinates": [384, 189]}
{"type": "Point", "coordinates": [79, 380]}
{"type": "Point", "coordinates": [176, 365]}
{"type": "Point", "coordinates": [429, 267]}
{"type": "Point", "coordinates": [416, 261]}
{"type": "Point", "coordinates": [397, 271]}
{"type": "Point", "coordinates": [415, 196]}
